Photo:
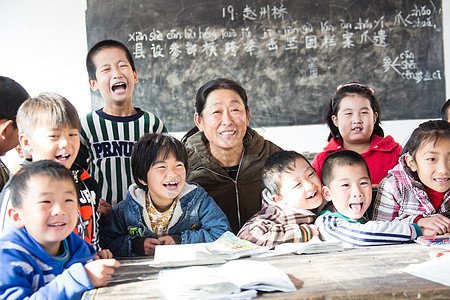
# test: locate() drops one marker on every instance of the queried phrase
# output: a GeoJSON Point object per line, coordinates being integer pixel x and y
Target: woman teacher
{"type": "Point", "coordinates": [226, 156]}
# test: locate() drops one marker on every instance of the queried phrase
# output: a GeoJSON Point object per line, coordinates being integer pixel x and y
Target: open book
{"type": "Point", "coordinates": [315, 245]}
{"type": "Point", "coordinates": [233, 247]}
{"type": "Point", "coordinates": [225, 248]}
{"type": "Point", "coordinates": [215, 282]}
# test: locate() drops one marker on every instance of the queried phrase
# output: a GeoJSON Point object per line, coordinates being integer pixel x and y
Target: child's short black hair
{"type": "Point", "coordinates": [341, 158]}
{"type": "Point", "coordinates": [91, 68]}
{"type": "Point", "coordinates": [149, 148]}
{"type": "Point", "coordinates": [12, 95]}
{"type": "Point", "coordinates": [19, 183]}
{"type": "Point", "coordinates": [275, 165]}
{"type": "Point", "coordinates": [444, 110]}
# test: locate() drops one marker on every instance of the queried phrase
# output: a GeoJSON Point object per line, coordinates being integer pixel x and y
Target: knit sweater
{"type": "Point", "coordinates": [382, 156]}
{"type": "Point", "coordinates": [239, 199]}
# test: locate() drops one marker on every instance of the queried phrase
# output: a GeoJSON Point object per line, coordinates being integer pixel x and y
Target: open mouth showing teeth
{"type": "Point", "coordinates": [119, 86]}
{"type": "Point", "coordinates": [63, 157]}
{"type": "Point", "coordinates": [312, 196]}
{"type": "Point", "coordinates": [171, 185]}
{"type": "Point", "coordinates": [228, 133]}
{"type": "Point", "coordinates": [442, 179]}
{"type": "Point", "coordinates": [57, 224]}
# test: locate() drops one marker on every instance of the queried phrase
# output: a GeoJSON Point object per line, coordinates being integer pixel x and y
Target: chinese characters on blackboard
{"type": "Point", "coordinates": [190, 42]}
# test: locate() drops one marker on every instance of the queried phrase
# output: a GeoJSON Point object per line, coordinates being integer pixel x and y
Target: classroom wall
{"type": "Point", "coordinates": [44, 47]}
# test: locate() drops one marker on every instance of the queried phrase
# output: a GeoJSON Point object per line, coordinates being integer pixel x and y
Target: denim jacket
{"type": "Point", "coordinates": [196, 218]}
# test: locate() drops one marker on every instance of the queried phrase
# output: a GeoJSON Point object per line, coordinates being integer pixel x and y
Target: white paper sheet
{"type": "Point", "coordinates": [436, 269]}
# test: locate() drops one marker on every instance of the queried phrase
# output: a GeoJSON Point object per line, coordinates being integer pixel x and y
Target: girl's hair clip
{"type": "Point", "coordinates": [357, 85]}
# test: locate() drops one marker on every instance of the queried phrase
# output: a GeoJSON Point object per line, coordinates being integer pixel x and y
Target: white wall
{"type": "Point", "coordinates": [45, 46]}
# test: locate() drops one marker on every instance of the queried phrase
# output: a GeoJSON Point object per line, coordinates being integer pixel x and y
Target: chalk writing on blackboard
{"type": "Point", "coordinates": [289, 55]}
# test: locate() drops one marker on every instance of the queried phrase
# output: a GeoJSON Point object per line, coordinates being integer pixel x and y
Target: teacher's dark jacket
{"type": "Point", "coordinates": [239, 199]}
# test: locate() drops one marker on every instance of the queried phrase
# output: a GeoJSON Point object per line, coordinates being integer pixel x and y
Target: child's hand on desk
{"type": "Point", "coordinates": [150, 245]}
{"type": "Point", "coordinates": [167, 240]}
{"type": "Point", "coordinates": [104, 254]}
{"type": "Point", "coordinates": [434, 225]}
{"type": "Point", "coordinates": [100, 271]}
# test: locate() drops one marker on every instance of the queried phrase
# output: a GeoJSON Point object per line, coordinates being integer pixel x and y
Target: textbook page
{"type": "Point", "coordinates": [183, 255]}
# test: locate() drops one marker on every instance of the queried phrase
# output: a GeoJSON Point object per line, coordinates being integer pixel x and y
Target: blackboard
{"type": "Point", "coordinates": [289, 55]}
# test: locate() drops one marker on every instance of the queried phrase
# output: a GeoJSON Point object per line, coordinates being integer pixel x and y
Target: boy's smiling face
{"type": "Point", "coordinates": [115, 77]}
{"type": "Point", "coordinates": [300, 186]}
{"type": "Point", "coordinates": [165, 179]}
{"type": "Point", "coordinates": [60, 145]}
{"type": "Point", "coordinates": [350, 190]}
{"type": "Point", "coordinates": [49, 212]}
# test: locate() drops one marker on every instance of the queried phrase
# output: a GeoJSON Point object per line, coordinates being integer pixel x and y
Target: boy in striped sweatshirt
{"type": "Point", "coordinates": [347, 184]}
{"type": "Point", "coordinates": [291, 200]}
{"type": "Point", "coordinates": [108, 134]}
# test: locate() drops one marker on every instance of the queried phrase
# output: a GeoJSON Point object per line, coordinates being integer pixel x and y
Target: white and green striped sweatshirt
{"type": "Point", "coordinates": [106, 145]}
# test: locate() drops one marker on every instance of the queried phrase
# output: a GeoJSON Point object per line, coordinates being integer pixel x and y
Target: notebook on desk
{"type": "Point", "coordinates": [227, 247]}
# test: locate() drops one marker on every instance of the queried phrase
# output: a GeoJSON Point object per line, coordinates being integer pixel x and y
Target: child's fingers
{"type": "Point", "coordinates": [154, 241]}
{"type": "Point", "coordinates": [166, 240]}
{"type": "Point", "coordinates": [150, 250]}
{"type": "Point", "coordinates": [427, 231]}
{"type": "Point", "coordinates": [440, 227]}
{"type": "Point", "coordinates": [105, 254]}
{"type": "Point", "coordinates": [113, 263]}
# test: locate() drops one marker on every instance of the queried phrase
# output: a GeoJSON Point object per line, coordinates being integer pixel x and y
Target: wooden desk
{"type": "Point", "coordinates": [359, 273]}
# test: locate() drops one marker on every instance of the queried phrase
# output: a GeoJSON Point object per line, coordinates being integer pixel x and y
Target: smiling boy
{"type": "Point", "coordinates": [49, 129]}
{"type": "Point", "coordinates": [40, 255]}
{"type": "Point", "coordinates": [347, 184]}
{"type": "Point", "coordinates": [109, 134]}
{"type": "Point", "coordinates": [291, 200]}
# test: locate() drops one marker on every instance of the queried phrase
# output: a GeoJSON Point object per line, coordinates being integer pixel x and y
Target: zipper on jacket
{"type": "Point", "coordinates": [235, 182]}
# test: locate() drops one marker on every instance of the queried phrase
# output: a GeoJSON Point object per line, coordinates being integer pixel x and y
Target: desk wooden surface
{"type": "Point", "coordinates": [359, 273]}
